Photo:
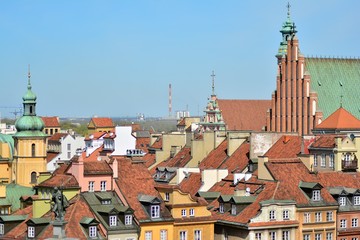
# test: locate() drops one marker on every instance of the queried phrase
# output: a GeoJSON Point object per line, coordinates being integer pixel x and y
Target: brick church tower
{"type": "Point", "coordinates": [294, 105]}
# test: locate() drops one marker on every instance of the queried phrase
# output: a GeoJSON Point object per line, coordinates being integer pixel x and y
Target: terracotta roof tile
{"type": "Point", "coordinates": [143, 143]}
{"type": "Point", "coordinates": [19, 230]}
{"type": "Point", "coordinates": [102, 122]}
{"type": "Point", "coordinates": [239, 159]}
{"type": "Point", "coordinates": [95, 135]}
{"type": "Point", "coordinates": [179, 160]}
{"type": "Point", "coordinates": [158, 143]}
{"type": "Point", "coordinates": [285, 147]}
{"type": "Point", "coordinates": [149, 159]}
{"type": "Point", "coordinates": [64, 180]}
{"type": "Point", "coordinates": [57, 136]}
{"type": "Point", "coordinates": [216, 157]}
{"type": "Point", "coordinates": [181, 122]}
{"type": "Point", "coordinates": [340, 119]}
{"type": "Point", "coordinates": [50, 156]}
{"type": "Point", "coordinates": [97, 168]}
{"type": "Point", "coordinates": [324, 141]}
{"type": "Point", "coordinates": [340, 179]}
{"type": "Point", "coordinates": [244, 114]}
{"type": "Point", "coordinates": [191, 184]}
{"type": "Point", "coordinates": [51, 121]}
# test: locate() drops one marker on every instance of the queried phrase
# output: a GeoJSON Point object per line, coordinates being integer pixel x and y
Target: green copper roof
{"type": "Point", "coordinates": [4, 138]}
{"type": "Point", "coordinates": [29, 95]}
{"type": "Point", "coordinates": [14, 192]}
{"type": "Point", "coordinates": [332, 78]}
{"type": "Point", "coordinates": [10, 218]}
{"type": "Point", "coordinates": [29, 123]}
{"type": "Point", "coordinates": [287, 31]}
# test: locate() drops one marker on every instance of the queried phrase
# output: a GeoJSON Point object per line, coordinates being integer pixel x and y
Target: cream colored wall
{"type": "Point", "coordinates": [279, 208]}
{"type": "Point", "coordinates": [211, 176]}
{"type": "Point", "coordinates": [169, 140]}
{"type": "Point", "coordinates": [263, 172]}
{"type": "Point", "coordinates": [180, 174]}
{"type": "Point", "coordinates": [201, 148]}
{"type": "Point", "coordinates": [235, 139]}
{"type": "Point", "coordinates": [122, 236]}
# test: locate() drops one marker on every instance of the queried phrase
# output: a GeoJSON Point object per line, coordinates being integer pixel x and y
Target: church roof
{"type": "Point", "coordinates": [332, 78]}
{"type": "Point", "coordinates": [340, 119]}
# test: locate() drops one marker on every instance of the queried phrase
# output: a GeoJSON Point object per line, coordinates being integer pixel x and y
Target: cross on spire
{"type": "Point", "coordinates": [29, 76]}
{"type": "Point", "coordinates": [288, 7]}
{"type": "Point", "coordinates": [213, 82]}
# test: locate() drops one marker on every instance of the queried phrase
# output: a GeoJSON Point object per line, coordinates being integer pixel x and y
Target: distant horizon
{"type": "Point", "coordinates": [117, 58]}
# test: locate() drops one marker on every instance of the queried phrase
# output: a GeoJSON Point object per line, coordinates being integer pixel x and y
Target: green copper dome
{"type": "Point", "coordinates": [288, 31]}
{"type": "Point", "coordinates": [29, 95]}
{"type": "Point", "coordinates": [29, 123]}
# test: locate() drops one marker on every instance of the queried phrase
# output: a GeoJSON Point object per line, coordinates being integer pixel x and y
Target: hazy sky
{"type": "Point", "coordinates": [117, 58]}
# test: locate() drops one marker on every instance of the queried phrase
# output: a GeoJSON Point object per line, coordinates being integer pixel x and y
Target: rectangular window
{"type": "Point", "coordinates": [354, 238]}
{"type": "Point", "coordinates": [91, 186]}
{"type": "Point", "coordinates": [163, 234]}
{"type": "Point", "coordinates": [318, 217]}
{"type": "Point", "coordinates": [155, 211]}
{"type": "Point", "coordinates": [356, 200]}
{"type": "Point", "coordinates": [128, 219]}
{"type": "Point", "coordinates": [197, 235]}
{"type": "Point", "coordinates": [233, 209]}
{"type": "Point", "coordinates": [183, 212]}
{"type": "Point", "coordinates": [1, 229]}
{"type": "Point", "coordinates": [92, 231]}
{"type": "Point", "coordinates": [167, 196]}
{"type": "Point", "coordinates": [306, 217]}
{"type": "Point", "coordinates": [315, 160]}
{"type": "Point", "coordinates": [329, 216]}
{"type": "Point", "coordinates": [331, 161]}
{"type": "Point", "coordinates": [354, 222]}
{"type": "Point", "coordinates": [329, 236]}
{"type": "Point", "coordinates": [191, 212]}
{"type": "Point", "coordinates": [286, 214]}
{"type": "Point", "coordinates": [221, 208]}
{"type": "Point", "coordinates": [285, 235]}
{"type": "Point", "coordinates": [272, 215]}
{"type": "Point", "coordinates": [103, 186]}
{"type": "Point", "coordinates": [316, 195]}
{"type": "Point", "coordinates": [317, 236]}
{"type": "Point", "coordinates": [31, 231]}
{"type": "Point", "coordinates": [272, 235]}
{"type": "Point", "coordinates": [69, 147]}
{"type": "Point", "coordinates": [112, 221]}
{"type": "Point", "coordinates": [183, 235]}
{"type": "Point", "coordinates": [306, 237]}
{"type": "Point", "coordinates": [148, 235]}
{"type": "Point", "coordinates": [323, 160]}
{"type": "Point", "coordinates": [343, 223]}
{"type": "Point", "coordinates": [258, 236]}
{"type": "Point", "coordinates": [342, 201]}
{"type": "Point", "coordinates": [68, 155]}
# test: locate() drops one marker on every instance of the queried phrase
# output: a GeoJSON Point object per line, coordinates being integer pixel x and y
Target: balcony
{"type": "Point", "coordinates": [349, 165]}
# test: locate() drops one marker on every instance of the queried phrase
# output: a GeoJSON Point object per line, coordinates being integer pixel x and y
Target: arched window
{"type": "Point", "coordinates": [33, 177]}
{"type": "Point", "coordinates": [33, 150]}
{"type": "Point", "coordinates": [31, 109]}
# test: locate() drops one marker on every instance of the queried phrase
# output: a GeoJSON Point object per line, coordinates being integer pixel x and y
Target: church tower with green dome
{"type": "Point", "coordinates": [30, 142]}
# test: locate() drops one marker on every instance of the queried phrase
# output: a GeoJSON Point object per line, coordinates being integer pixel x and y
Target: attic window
{"type": "Point", "coordinates": [1, 229]}
{"type": "Point", "coordinates": [31, 231]}
{"type": "Point", "coordinates": [92, 231]}
{"type": "Point", "coordinates": [128, 219]}
{"type": "Point", "coordinates": [112, 220]}
{"type": "Point", "coordinates": [155, 211]}
{"type": "Point", "coordinates": [106, 202]}
{"type": "Point", "coordinates": [233, 209]}
{"type": "Point", "coordinates": [342, 201]}
{"type": "Point", "coordinates": [316, 195]}
{"type": "Point", "coordinates": [356, 200]}
{"type": "Point", "coordinates": [221, 208]}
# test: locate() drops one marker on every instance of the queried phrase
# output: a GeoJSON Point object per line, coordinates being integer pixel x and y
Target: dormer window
{"type": "Point", "coordinates": [316, 195]}
{"type": "Point", "coordinates": [356, 200]}
{"type": "Point", "coordinates": [233, 209]}
{"type": "Point", "coordinates": [342, 201]}
{"type": "Point", "coordinates": [2, 229]}
{"type": "Point", "coordinates": [272, 215]}
{"type": "Point", "coordinates": [92, 231]}
{"type": "Point", "coordinates": [106, 202]}
{"type": "Point", "coordinates": [155, 211]}
{"type": "Point", "coordinates": [221, 208]}
{"type": "Point", "coordinates": [31, 231]}
{"type": "Point", "coordinates": [128, 219]}
{"type": "Point", "coordinates": [112, 220]}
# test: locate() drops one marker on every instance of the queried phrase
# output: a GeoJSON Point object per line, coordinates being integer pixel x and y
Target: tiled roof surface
{"type": "Point", "coordinates": [97, 168]}
{"type": "Point", "coordinates": [179, 160]}
{"type": "Point", "coordinates": [238, 160]}
{"type": "Point", "coordinates": [324, 141]}
{"type": "Point", "coordinates": [181, 122]}
{"type": "Point", "coordinates": [191, 184]}
{"type": "Point", "coordinates": [19, 230]}
{"type": "Point", "coordinates": [285, 147]}
{"type": "Point", "coordinates": [158, 143]}
{"type": "Point", "coordinates": [50, 156]}
{"type": "Point", "coordinates": [244, 114]}
{"type": "Point", "coordinates": [15, 191]}
{"type": "Point", "coordinates": [149, 159]}
{"type": "Point", "coordinates": [142, 143]}
{"type": "Point", "coordinates": [51, 121]}
{"type": "Point", "coordinates": [136, 174]}
{"type": "Point", "coordinates": [102, 122]}
{"type": "Point", "coordinates": [64, 180]}
{"type": "Point", "coordinates": [95, 135]}
{"type": "Point", "coordinates": [57, 136]}
{"type": "Point", "coordinates": [216, 157]}
{"type": "Point", "coordinates": [340, 179]}
{"type": "Point", "coordinates": [289, 186]}
{"type": "Point", "coordinates": [340, 119]}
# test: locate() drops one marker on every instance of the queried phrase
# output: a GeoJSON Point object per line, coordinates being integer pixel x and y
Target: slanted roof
{"type": "Point", "coordinates": [64, 180]}
{"type": "Point", "coordinates": [5, 138]}
{"type": "Point", "coordinates": [57, 136]}
{"type": "Point", "coordinates": [324, 141]}
{"type": "Point", "coordinates": [14, 192]}
{"type": "Point", "coordinates": [102, 122]}
{"type": "Point", "coordinates": [191, 184]}
{"type": "Point", "coordinates": [179, 160]}
{"type": "Point", "coordinates": [13, 218]}
{"type": "Point", "coordinates": [285, 148]}
{"type": "Point", "coordinates": [51, 121]}
{"type": "Point", "coordinates": [216, 157]}
{"type": "Point", "coordinates": [239, 160]}
{"type": "Point", "coordinates": [37, 221]}
{"type": "Point", "coordinates": [332, 78]}
{"type": "Point", "coordinates": [244, 114]}
{"type": "Point", "coordinates": [340, 119]}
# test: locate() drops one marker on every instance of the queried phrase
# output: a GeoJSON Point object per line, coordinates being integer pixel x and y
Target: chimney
{"type": "Point", "coordinates": [263, 172]}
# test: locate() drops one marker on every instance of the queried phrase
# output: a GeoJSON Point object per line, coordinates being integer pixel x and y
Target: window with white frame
{"type": "Point", "coordinates": [31, 231]}
{"type": "Point", "coordinates": [103, 186]}
{"type": "Point", "coordinates": [233, 209]}
{"type": "Point", "coordinates": [316, 195]}
{"type": "Point", "coordinates": [91, 186]}
{"type": "Point", "coordinates": [1, 229]}
{"type": "Point", "coordinates": [167, 196]}
{"type": "Point", "coordinates": [318, 217]}
{"type": "Point", "coordinates": [343, 223]}
{"type": "Point", "coordinates": [148, 235]}
{"type": "Point", "coordinates": [354, 222]}
{"type": "Point", "coordinates": [356, 200]}
{"type": "Point", "coordinates": [221, 207]}
{"type": "Point", "coordinates": [342, 201]}
{"type": "Point", "coordinates": [331, 161]}
{"type": "Point", "coordinates": [163, 234]}
{"type": "Point", "coordinates": [183, 212]}
{"type": "Point", "coordinates": [317, 236]}
{"type": "Point", "coordinates": [323, 160]}
{"type": "Point", "coordinates": [286, 214]}
{"type": "Point", "coordinates": [155, 211]}
{"type": "Point", "coordinates": [112, 220]}
{"type": "Point", "coordinates": [258, 236]}
{"type": "Point", "coordinates": [197, 235]}
{"type": "Point", "coordinates": [183, 235]}
{"type": "Point", "coordinates": [306, 237]}
{"type": "Point", "coordinates": [191, 212]}
{"type": "Point", "coordinates": [272, 215]}
{"type": "Point", "coordinates": [128, 219]}
{"type": "Point", "coordinates": [315, 160]}
{"type": "Point", "coordinates": [272, 235]}
{"type": "Point", "coordinates": [92, 231]}
{"type": "Point", "coordinates": [347, 157]}
{"type": "Point", "coordinates": [329, 216]}
{"type": "Point", "coordinates": [286, 235]}
{"type": "Point", "coordinates": [329, 236]}
{"type": "Point", "coordinates": [354, 238]}
{"type": "Point", "coordinates": [306, 217]}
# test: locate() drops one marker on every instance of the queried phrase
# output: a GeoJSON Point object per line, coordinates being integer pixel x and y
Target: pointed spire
{"type": "Point", "coordinates": [288, 12]}
{"type": "Point", "coordinates": [288, 31]}
{"type": "Point", "coordinates": [29, 76]}
{"type": "Point", "coordinates": [213, 82]}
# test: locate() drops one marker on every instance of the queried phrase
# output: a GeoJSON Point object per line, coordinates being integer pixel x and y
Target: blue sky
{"type": "Point", "coordinates": [117, 58]}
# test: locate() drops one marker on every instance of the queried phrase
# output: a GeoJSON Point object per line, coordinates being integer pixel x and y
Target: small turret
{"type": "Point", "coordinates": [288, 31]}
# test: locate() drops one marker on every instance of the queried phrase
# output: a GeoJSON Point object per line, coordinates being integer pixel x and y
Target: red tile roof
{"type": "Point", "coordinates": [50, 156]}
{"type": "Point", "coordinates": [143, 143]}
{"type": "Point", "coordinates": [340, 119]}
{"type": "Point", "coordinates": [158, 143]}
{"type": "Point", "coordinates": [340, 179]}
{"type": "Point", "coordinates": [51, 121]}
{"type": "Point", "coordinates": [149, 159]}
{"type": "Point", "coordinates": [244, 114]}
{"type": "Point", "coordinates": [102, 122]}
{"type": "Point", "coordinates": [57, 136]}
{"type": "Point", "coordinates": [191, 184]}
{"type": "Point", "coordinates": [324, 141]}
{"type": "Point", "coordinates": [20, 230]}
{"type": "Point", "coordinates": [181, 122]}
{"type": "Point", "coordinates": [179, 160]}
{"type": "Point", "coordinates": [285, 147]}
{"type": "Point", "coordinates": [216, 157]}
{"type": "Point", "coordinates": [238, 160]}
{"type": "Point", "coordinates": [64, 180]}
{"type": "Point", "coordinates": [95, 135]}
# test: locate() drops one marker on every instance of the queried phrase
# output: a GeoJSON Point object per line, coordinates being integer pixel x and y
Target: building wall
{"type": "Point", "coordinates": [170, 140]}
{"type": "Point", "coordinates": [233, 233]}
{"type": "Point", "coordinates": [124, 140]}
{"type": "Point", "coordinates": [155, 228]}
{"type": "Point", "coordinates": [207, 230]}
{"type": "Point", "coordinates": [349, 231]}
